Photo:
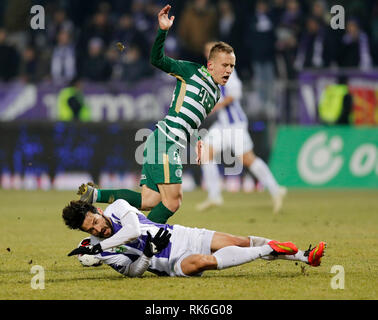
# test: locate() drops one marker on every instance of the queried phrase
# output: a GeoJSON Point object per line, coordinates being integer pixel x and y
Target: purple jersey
{"type": "Point", "coordinates": [122, 256]}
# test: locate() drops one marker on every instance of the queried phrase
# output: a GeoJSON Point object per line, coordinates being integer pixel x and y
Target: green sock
{"type": "Point", "coordinates": [160, 214]}
{"type": "Point", "coordinates": [109, 196]}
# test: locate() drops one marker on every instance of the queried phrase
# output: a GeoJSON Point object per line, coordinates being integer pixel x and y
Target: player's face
{"type": "Point", "coordinates": [97, 225]}
{"type": "Point", "coordinates": [221, 66]}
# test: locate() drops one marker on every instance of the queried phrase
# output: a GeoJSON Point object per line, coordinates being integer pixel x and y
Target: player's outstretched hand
{"type": "Point", "coordinates": [164, 21]}
{"type": "Point", "coordinates": [96, 249]}
{"type": "Point", "coordinates": [156, 244]}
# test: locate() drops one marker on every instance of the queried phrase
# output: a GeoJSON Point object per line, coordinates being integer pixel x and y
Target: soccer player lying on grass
{"type": "Point", "coordinates": [194, 97]}
{"type": "Point", "coordinates": [125, 239]}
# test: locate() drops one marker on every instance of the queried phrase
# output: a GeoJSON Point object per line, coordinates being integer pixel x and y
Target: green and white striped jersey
{"type": "Point", "coordinates": [194, 97]}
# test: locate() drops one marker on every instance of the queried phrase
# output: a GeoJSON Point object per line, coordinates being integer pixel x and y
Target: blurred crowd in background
{"type": "Point", "coordinates": [273, 39]}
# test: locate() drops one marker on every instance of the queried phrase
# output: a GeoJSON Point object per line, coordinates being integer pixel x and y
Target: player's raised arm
{"type": "Point", "coordinates": [130, 231]}
{"type": "Point", "coordinates": [158, 57]}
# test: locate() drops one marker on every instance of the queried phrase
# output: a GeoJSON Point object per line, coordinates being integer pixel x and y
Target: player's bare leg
{"type": "Point", "coordinates": [197, 263]}
{"type": "Point", "coordinates": [221, 240]}
{"type": "Point", "coordinates": [150, 198]}
{"type": "Point", "coordinates": [171, 199]}
{"type": "Point", "coordinates": [171, 195]}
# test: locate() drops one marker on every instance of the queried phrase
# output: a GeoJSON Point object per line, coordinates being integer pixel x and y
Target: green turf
{"type": "Point", "coordinates": [32, 233]}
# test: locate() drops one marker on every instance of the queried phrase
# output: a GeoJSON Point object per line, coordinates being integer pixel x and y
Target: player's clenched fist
{"type": "Point", "coordinates": [164, 21]}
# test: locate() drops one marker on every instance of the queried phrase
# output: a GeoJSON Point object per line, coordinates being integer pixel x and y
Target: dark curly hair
{"type": "Point", "coordinates": [74, 214]}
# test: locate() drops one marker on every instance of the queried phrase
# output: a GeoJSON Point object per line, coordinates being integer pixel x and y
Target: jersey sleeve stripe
{"type": "Point", "coordinates": [166, 168]}
{"type": "Point", "coordinates": [181, 95]}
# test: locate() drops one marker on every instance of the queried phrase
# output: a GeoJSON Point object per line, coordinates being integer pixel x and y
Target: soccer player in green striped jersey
{"type": "Point", "coordinates": [195, 95]}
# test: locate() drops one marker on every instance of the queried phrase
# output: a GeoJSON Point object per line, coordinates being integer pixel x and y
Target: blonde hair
{"type": "Point", "coordinates": [219, 46]}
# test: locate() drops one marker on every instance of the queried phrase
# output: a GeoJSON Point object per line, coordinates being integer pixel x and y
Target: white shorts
{"type": "Point", "coordinates": [185, 242]}
{"type": "Point", "coordinates": [235, 137]}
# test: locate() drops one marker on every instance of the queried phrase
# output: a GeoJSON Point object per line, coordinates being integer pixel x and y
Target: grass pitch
{"type": "Point", "coordinates": [32, 233]}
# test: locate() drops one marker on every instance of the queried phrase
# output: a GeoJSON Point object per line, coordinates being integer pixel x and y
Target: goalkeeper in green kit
{"type": "Point", "coordinates": [194, 97]}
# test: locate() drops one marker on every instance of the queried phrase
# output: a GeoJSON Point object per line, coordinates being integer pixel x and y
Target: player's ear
{"type": "Point", "coordinates": [209, 65]}
{"type": "Point", "coordinates": [100, 211]}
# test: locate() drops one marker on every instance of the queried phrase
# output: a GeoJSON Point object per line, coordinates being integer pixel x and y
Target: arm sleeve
{"type": "Point", "coordinates": [138, 267]}
{"type": "Point", "coordinates": [165, 63]}
{"type": "Point", "coordinates": [130, 226]}
{"type": "Point", "coordinates": [128, 265]}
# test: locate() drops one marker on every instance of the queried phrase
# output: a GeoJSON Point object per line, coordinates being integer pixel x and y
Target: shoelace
{"type": "Point", "coordinates": [307, 252]}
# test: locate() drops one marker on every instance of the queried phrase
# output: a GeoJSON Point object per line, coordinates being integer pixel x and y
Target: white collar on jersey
{"type": "Point", "coordinates": [208, 76]}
